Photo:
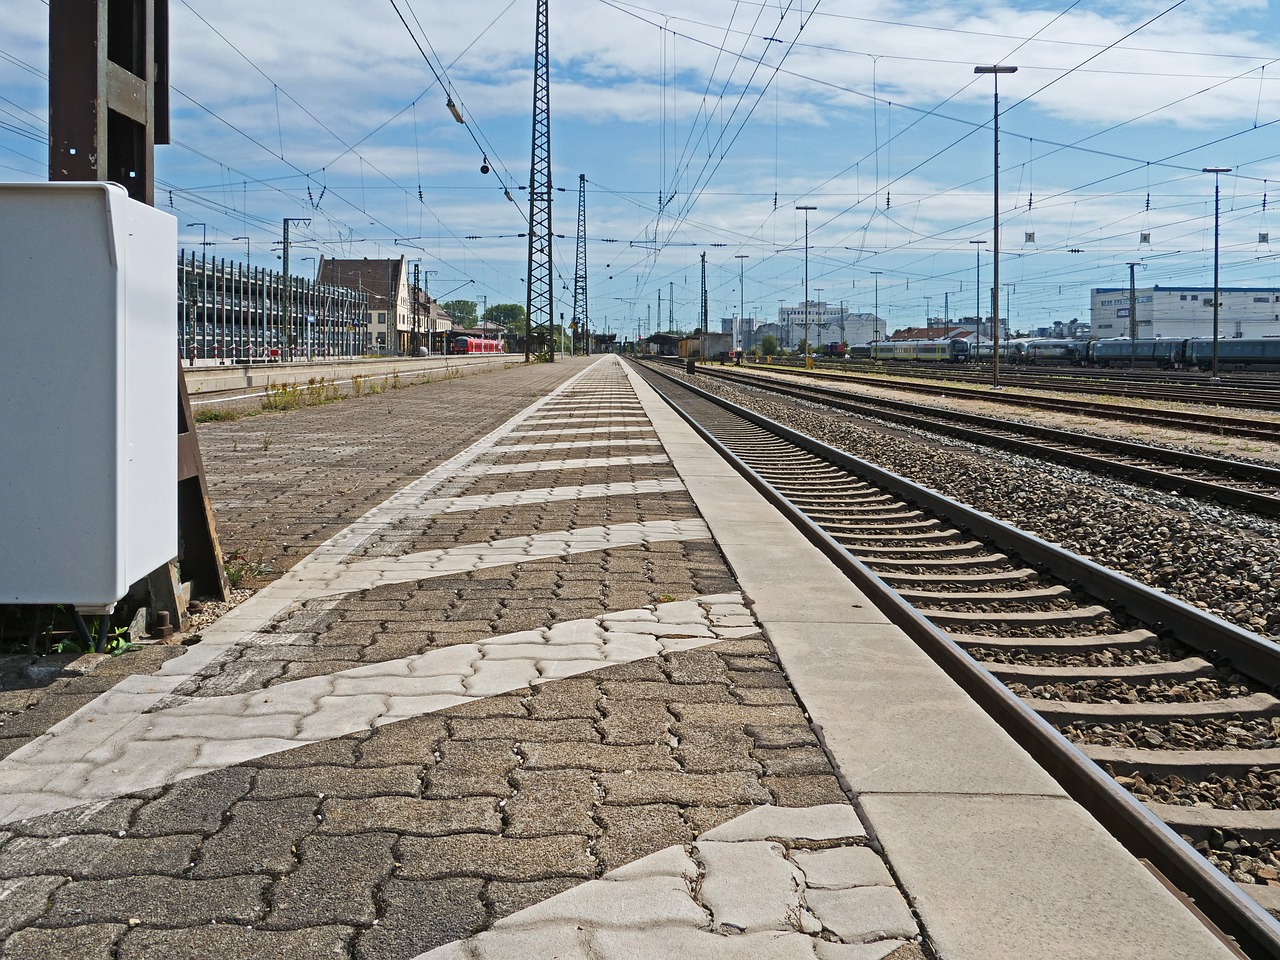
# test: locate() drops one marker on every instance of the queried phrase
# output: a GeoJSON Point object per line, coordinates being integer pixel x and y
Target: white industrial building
{"type": "Point", "coordinates": [827, 324]}
{"type": "Point", "coordinates": [1180, 312]}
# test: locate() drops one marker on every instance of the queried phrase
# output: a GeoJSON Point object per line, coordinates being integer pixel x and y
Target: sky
{"type": "Point", "coordinates": [700, 127]}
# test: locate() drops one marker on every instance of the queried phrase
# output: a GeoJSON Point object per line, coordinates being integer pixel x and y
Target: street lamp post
{"type": "Point", "coordinates": [247, 255]}
{"type": "Point", "coordinates": [977, 296]}
{"type": "Point", "coordinates": [1215, 171]}
{"type": "Point", "coordinates": [875, 316]}
{"type": "Point", "coordinates": [995, 71]}
{"type": "Point", "coordinates": [806, 210]}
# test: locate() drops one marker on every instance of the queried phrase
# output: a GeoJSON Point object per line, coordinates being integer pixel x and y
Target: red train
{"type": "Point", "coordinates": [477, 345]}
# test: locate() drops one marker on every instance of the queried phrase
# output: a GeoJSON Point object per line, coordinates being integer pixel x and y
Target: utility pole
{"type": "Point", "coordinates": [1217, 292]}
{"type": "Point", "coordinates": [995, 70]}
{"type": "Point", "coordinates": [204, 282]}
{"type": "Point", "coordinates": [580, 269]}
{"type": "Point", "coordinates": [806, 210]}
{"type": "Point", "coordinates": [742, 302]}
{"type": "Point", "coordinates": [539, 305]}
{"type": "Point", "coordinates": [290, 338]}
{"type": "Point", "coordinates": [426, 295]}
{"type": "Point", "coordinates": [875, 316]}
{"type": "Point", "coordinates": [417, 288]}
{"type": "Point", "coordinates": [977, 296]}
{"type": "Point", "coordinates": [671, 307]}
{"type": "Point", "coordinates": [822, 314]}
{"type": "Point", "coordinates": [1133, 316]}
{"type": "Point", "coordinates": [703, 324]}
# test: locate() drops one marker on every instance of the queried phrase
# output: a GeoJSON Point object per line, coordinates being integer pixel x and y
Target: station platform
{"type": "Point", "coordinates": [532, 673]}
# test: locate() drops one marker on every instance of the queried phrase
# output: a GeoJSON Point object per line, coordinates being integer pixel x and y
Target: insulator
{"type": "Point", "coordinates": [453, 108]}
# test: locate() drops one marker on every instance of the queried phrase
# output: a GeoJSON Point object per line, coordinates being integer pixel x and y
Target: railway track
{"type": "Point", "coordinates": [1257, 389]}
{"type": "Point", "coordinates": [1137, 703]}
{"type": "Point", "coordinates": [1223, 425]}
{"type": "Point", "coordinates": [1245, 485]}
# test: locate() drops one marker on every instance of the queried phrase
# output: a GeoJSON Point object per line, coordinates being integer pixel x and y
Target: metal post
{"type": "Point", "coordinates": [1216, 296]}
{"type": "Point", "coordinates": [875, 316]}
{"type": "Point", "coordinates": [806, 210]}
{"type": "Point", "coordinates": [290, 339]}
{"type": "Point", "coordinates": [1133, 317]}
{"type": "Point", "coordinates": [108, 91]}
{"type": "Point", "coordinates": [995, 72]}
{"type": "Point", "coordinates": [977, 296]}
{"type": "Point", "coordinates": [539, 301]}
{"type": "Point", "coordinates": [204, 281]}
{"type": "Point", "coordinates": [742, 301]}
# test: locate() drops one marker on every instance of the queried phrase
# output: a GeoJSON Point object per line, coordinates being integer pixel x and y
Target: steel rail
{"type": "Point", "coordinates": [989, 431]}
{"type": "Point", "coordinates": [1136, 828]}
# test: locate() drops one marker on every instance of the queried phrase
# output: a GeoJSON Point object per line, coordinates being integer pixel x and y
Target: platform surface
{"type": "Point", "coordinates": [553, 682]}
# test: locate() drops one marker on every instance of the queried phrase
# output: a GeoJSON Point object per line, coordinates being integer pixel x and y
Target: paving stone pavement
{"type": "Point", "coordinates": [523, 680]}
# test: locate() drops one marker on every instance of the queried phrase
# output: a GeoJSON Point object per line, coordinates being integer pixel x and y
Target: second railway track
{"type": "Point", "coordinates": [1217, 424]}
{"type": "Point", "coordinates": [1175, 708]}
{"type": "Point", "coordinates": [1236, 483]}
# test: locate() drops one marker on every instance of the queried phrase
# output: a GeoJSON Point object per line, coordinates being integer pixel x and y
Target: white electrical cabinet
{"type": "Point", "coordinates": [88, 393]}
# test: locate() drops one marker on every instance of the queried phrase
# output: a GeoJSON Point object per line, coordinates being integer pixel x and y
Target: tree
{"type": "Point", "coordinates": [769, 345]}
{"type": "Point", "coordinates": [462, 311]}
{"type": "Point", "coordinates": [509, 315]}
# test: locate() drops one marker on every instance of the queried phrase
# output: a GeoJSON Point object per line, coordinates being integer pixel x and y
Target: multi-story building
{"type": "Point", "coordinates": [827, 324]}
{"type": "Point", "coordinates": [396, 324]}
{"type": "Point", "coordinates": [1177, 312]}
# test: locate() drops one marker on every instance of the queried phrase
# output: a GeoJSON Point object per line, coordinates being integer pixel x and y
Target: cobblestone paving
{"type": "Point", "coordinates": [388, 839]}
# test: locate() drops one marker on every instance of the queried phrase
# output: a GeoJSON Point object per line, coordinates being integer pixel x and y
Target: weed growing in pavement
{"type": "Point", "coordinates": [357, 385]}
{"type": "Point", "coordinates": [222, 413]}
{"type": "Point", "coordinates": [291, 396]}
{"type": "Point", "coordinates": [115, 644]}
{"type": "Point", "coordinates": [268, 435]}
{"type": "Point", "coordinates": [241, 568]}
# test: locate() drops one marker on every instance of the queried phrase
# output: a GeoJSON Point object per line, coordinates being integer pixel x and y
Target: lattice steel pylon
{"type": "Point", "coordinates": [539, 305]}
{"type": "Point", "coordinates": [702, 323]}
{"type": "Point", "coordinates": [580, 270]}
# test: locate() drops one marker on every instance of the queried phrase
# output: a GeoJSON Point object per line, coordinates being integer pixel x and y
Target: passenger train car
{"type": "Point", "coordinates": [1239, 353]}
{"type": "Point", "coordinates": [477, 345]}
{"type": "Point", "coordinates": [947, 351]}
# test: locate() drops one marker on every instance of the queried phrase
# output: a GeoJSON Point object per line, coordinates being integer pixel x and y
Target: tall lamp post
{"type": "Point", "coordinates": [977, 296]}
{"type": "Point", "coordinates": [995, 71]}
{"type": "Point", "coordinates": [742, 301]}
{"type": "Point", "coordinates": [806, 210]}
{"type": "Point", "coordinates": [1216, 171]}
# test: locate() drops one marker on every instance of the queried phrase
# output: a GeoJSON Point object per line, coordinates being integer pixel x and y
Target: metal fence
{"type": "Point", "coordinates": [236, 313]}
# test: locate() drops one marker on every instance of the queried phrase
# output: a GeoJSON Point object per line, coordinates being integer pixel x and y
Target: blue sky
{"type": "Point", "coordinates": [734, 113]}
